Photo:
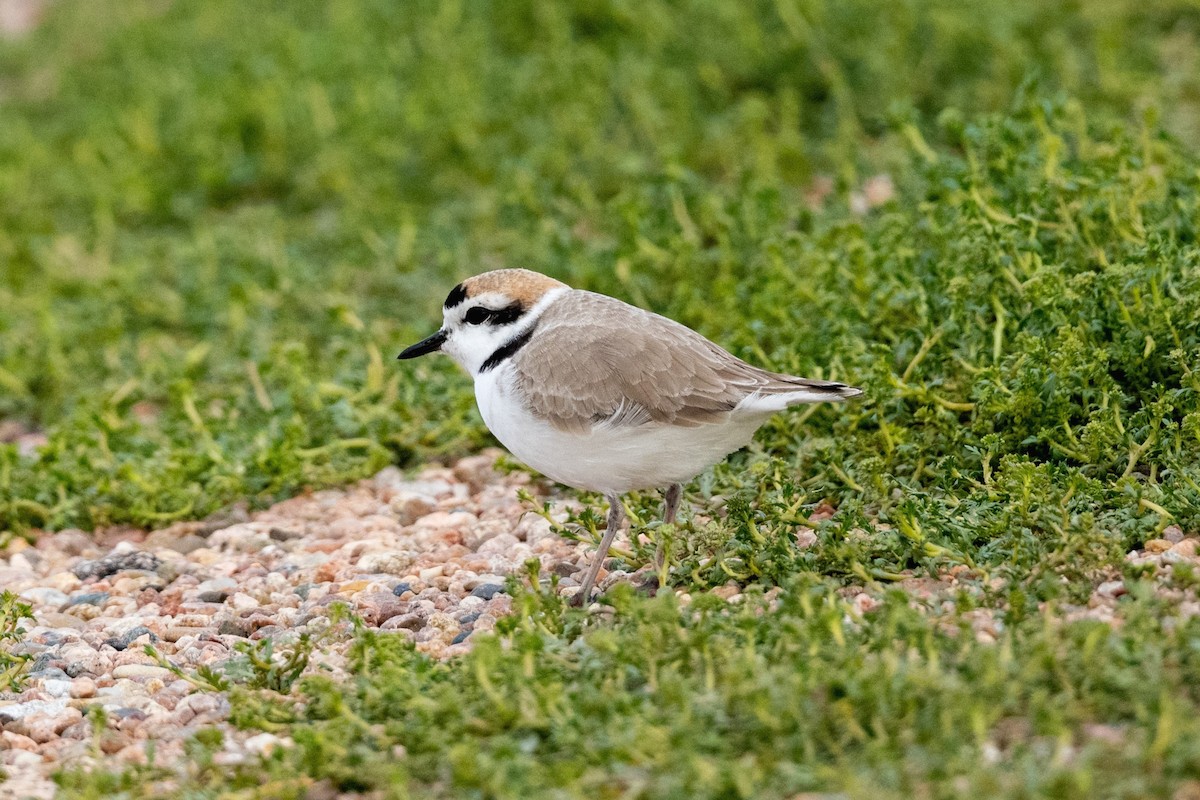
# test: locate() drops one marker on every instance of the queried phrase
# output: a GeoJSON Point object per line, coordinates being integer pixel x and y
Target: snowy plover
{"type": "Point", "coordinates": [601, 395]}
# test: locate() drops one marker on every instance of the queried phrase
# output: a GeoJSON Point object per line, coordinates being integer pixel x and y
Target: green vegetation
{"type": "Point", "coordinates": [257, 665]}
{"type": "Point", "coordinates": [736, 703]}
{"type": "Point", "coordinates": [12, 667]}
{"type": "Point", "coordinates": [222, 220]}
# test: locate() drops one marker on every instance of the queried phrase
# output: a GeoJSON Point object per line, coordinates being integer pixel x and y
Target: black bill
{"type": "Point", "coordinates": [424, 346]}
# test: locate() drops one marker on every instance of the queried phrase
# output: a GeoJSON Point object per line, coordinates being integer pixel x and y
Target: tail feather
{"type": "Point", "coordinates": [800, 391]}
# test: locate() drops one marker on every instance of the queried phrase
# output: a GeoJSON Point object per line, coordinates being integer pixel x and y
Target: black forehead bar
{"type": "Point", "coordinates": [457, 295]}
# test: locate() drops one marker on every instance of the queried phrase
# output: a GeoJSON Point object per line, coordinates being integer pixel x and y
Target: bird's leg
{"type": "Point", "coordinates": [616, 515]}
{"type": "Point", "coordinates": [670, 507]}
{"type": "Point", "coordinates": [671, 502]}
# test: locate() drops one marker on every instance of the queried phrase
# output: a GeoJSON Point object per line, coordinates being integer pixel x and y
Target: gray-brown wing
{"type": "Point", "coordinates": [596, 358]}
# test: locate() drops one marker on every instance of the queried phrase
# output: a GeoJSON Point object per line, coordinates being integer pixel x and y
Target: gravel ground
{"type": "Point", "coordinates": [424, 556]}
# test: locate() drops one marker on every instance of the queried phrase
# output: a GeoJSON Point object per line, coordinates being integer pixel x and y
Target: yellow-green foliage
{"type": "Point", "coordinates": [12, 613]}
{"type": "Point", "coordinates": [221, 220]}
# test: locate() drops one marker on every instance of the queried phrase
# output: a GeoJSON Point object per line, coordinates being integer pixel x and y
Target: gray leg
{"type": "Point", "coordinates": [616, 515]}
{"type": "Point", "coordinates": [671, 502]}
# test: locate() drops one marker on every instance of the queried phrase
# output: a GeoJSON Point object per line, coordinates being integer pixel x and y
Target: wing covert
{"type": "Point", "coordinates": [597, 359]}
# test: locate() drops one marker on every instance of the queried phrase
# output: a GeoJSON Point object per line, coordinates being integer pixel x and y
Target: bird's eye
{"type": "Point", "coordinates": [478, 315]}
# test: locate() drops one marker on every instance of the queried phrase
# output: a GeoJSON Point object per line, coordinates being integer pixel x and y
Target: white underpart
{"type": "Point", "coordinates": [613, 457]}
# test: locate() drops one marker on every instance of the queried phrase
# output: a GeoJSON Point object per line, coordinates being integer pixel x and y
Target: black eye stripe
{"type": "Point", "coordinates": [493, 316]}
{"type": "Point", "coordinates": [503, 316]}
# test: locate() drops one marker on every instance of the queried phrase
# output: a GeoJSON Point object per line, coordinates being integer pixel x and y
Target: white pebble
{"type": "Point", "coordinates": [133, 671]}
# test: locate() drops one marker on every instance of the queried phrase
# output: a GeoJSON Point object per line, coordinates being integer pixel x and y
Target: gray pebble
{"type": "Point", "coordinates": [462, 637]}
{"type": "Point", "coordinates": [216, 590]}
{"type": "Point", "coordinates": [401, 588]}
{"type": "Point", "coordinates": [113, 563]}
{"type": "Point", "coordinates": [88, 598]}
{"type": "Point", "coordinates": [487, 591]}
{"type": "Point", "coordinates": [49, 638]}
{"type": "Point", "coordinates": [122, 642]}
{"type": "Point", "coordinates": [230, 626]}
{"type": "Point", "coordinates": [413, 622]}
{"type": "Point", "coordinates": [43, 662]}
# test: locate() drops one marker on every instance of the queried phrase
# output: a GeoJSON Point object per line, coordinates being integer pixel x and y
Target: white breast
{"type": "Point", "coordinates": [609, 458]}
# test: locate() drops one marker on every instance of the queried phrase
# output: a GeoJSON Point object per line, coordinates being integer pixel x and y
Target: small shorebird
{"type": "Point", "coordinates": [601, 395]}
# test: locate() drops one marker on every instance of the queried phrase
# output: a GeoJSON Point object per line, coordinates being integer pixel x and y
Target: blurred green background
{"type": "Point", "coordinates": [221, 220]}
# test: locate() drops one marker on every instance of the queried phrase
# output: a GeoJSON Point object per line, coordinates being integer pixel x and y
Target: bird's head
{"type": "Point", "coordinates": [485, 313]}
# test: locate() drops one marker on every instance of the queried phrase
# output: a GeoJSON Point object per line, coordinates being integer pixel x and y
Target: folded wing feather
{"type": "Point", "coordinates": [598, 360]}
